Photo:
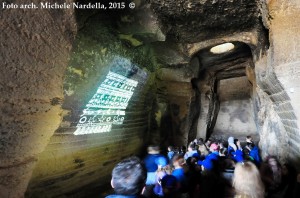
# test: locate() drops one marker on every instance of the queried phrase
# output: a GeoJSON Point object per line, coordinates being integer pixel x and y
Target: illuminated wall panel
{"type": "Point", "coordinates": [107, 106]}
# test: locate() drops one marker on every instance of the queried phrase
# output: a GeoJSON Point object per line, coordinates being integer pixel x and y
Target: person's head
{"type": "Point", "coordinates": [272, 161]}
{"type": "Point", "coordinates": [170, 148]}
{"type": "Point", "coordinates": [213, 147]}
{"type": "Point", "coordinates": [208, 142]}
{"type": "Point", "coordinates": [153, 149]}
{"type": "Point", "coordinates": [200, 140]}
{"type": "Point", "coordinates": [275, 166]}
{"type": "Point", "coordinates": [221, 145]}
{"type": "Point", "coordinates": [191, 147]}
{"type": "Point", "coordinates": [183, 149]}
{"type": "Point", "coordinates": [178, 161]}
{"type": "Point", "coordinates": [129, 177]}
{"type": "Point", "coordinates": [249, 139]}
{"type": "Point", "coordinates": [251, 146]}
{"type": "Point", "coordinates": [223, 152]}
{"type": "Point", "coordinates": [247, 180]}
{"type": "Point", "coordinates": [236, 141]}
{"type": "Point", "coordinates": [230, 140]}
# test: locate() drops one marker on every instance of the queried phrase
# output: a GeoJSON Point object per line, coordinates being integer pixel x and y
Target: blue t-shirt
{"type": "Point", "coordinates": [213, 156]}
{"type": "Point", "coordinates": [254, 153]}
{"type": "Point", "coordinates": [190, 154]}
{"type": "Point", "coordinates": [180, 176]}
{"type": "Point", "coordinates": [230, 152]}
{"type": "Point", "coordinates": [152, 161]}
{"type": "Point", "coordinates": [171, 155]}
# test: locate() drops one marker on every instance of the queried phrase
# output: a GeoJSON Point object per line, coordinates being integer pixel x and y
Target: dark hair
{"type": "Point", "coordinates": [235, 141]}
{"type": "Point", "coordinates": [192, 146]}
{"type": "Point", "coordinates": [251, 146]}
{"type": "Point", "coordinates": [183, 148]}
{"type": "Point", "coordinates": [223, 151]}
{"type": "Point", "coordinates": [129, 176]}
{"type": "Point", "coordinates": [200, 140]}
{"type": "Point", "coordinates": [178, 158]}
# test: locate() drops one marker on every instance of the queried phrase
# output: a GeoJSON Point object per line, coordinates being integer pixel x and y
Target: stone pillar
{"type": "Point", "coordinates": [35, 44]}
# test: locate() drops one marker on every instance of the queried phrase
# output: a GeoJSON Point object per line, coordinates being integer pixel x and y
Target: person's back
{"type": "Point", "coordinates": [171, 153]}
{"type": "Point", "coordinates": [179, 173]}
{"type": "Point", "coordinates": [210, 180]}
{"type": "Point", "coordinates": [152, 162]}
{"type": "Point", "coordinates": [231, 147]}
{"type": "Point", "coordinates": [128, 178]}
{"type": "Point", "coordinates": [254, 153]}
{"type": "Point", "coordinates": [169, 184]}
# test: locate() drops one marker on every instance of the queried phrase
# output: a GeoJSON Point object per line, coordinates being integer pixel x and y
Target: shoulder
{"type": "Point", "coordinates": [179, 171]}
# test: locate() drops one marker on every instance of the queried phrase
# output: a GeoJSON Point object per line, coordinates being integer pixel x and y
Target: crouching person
{"type": "Point", "coordinates": [128, 178]}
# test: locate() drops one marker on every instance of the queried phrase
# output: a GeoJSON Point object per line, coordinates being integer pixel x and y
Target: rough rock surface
{"type": "Point", "coordinates": [89, 158]}
{"type": "Point", "coordinates": [181, 100]}
{"type": "Point", "coordinates": [35, 46]}
{"type": "Point", "coordinates": [193, 20]}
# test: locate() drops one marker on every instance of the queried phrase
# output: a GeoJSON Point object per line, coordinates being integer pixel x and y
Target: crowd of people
{"type": "Point", "coordinates": [205, 169]}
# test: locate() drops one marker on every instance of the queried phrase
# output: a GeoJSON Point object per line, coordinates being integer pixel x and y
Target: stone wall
{"type": "Point", "coordinates": [235, 118]}
{"type": "Point", "coordinates": [236, 115]}
{"type": "Point", "coordinates": [76, 165]}
{"type": "Point", "coordinates": [35, 46]}
{"type": "Point", "coordinates": [277, 79]}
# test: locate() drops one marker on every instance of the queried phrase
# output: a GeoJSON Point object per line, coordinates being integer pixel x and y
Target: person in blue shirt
{"type": "Point", "coordinates": [152, 161]}
{"type": "Point", "coordinates": [178, 172]}
{"type": "Point", "coordinates": [128, 178]}
{"type": "Point", "coordinates": [231, 147]}
{"type": "Point", "coordinates": [169, 184]}
{"type": "Point", "coordinates": [171, 152]}
{"type": "Point", "coordinates": [214, 153]}
{"type": "Point", "coordinates": [254, 153]}
{"type": "Point", "coordinates": [214, 149]}
{"type": "Point", "coordinates": [238, 156]}
{"type": "Point", "coordinates": [191, 151]}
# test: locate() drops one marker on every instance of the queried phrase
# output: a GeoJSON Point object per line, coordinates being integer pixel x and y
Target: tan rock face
{"type": "Point", "coordinates": [100, 71]}
{"type": "Point", "coordinates": [35, 45]}
{"type": "Point", "coordinates": [193, 20]}
{"type": "Point", "coordinates": [285, 61]}
{"type": "Point", "coordinates": [236, 115]}
{"type": "Point", "coordinates": [189, 92]}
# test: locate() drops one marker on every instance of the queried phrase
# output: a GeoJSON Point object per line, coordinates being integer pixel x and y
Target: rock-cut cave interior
{"type": "Point", "coordinates": [82, 89]}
